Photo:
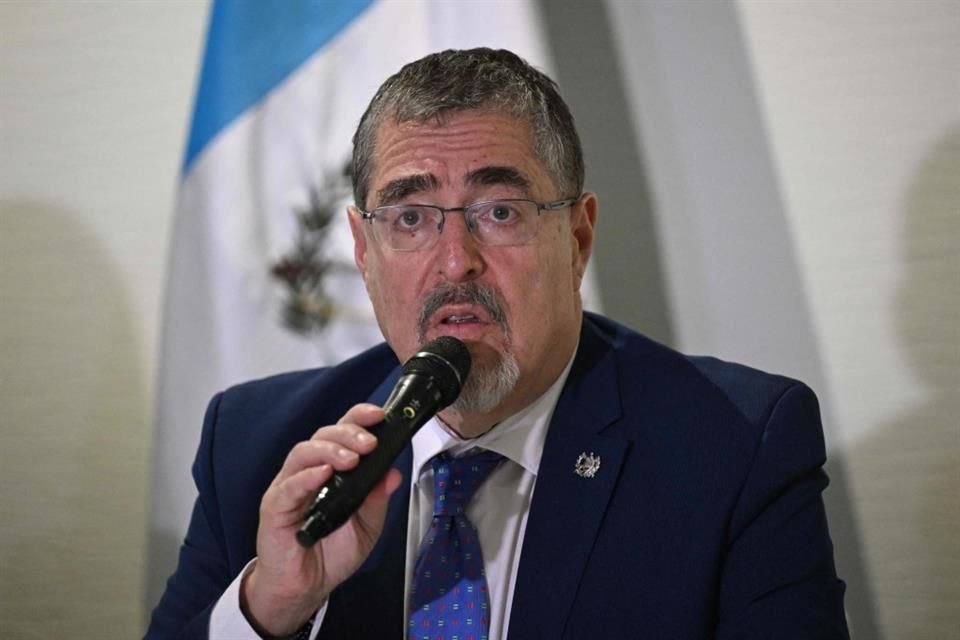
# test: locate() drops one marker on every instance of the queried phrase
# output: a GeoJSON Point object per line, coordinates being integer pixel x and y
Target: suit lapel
{"type": "Point", "coordinates": [567, 507]}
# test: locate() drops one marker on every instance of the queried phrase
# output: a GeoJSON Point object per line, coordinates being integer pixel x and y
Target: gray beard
{"type": "Point", "coordinates": [487, 387]}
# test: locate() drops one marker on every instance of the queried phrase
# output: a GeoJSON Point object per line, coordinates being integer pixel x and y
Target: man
{"type": "Point", "coordinates": [631, 492]}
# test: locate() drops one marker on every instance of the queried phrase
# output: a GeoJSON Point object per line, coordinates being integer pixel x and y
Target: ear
{"type": "Point", "coordinates": [359, 240]}
{"type": "Point", "coordinates": [583, 223]}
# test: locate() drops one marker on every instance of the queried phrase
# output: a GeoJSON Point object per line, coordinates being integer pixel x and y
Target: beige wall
{"type": "Point", "coordinates": [94, 99]}
{"type": "Point", "coordinates": [861, 109]}
{"type": "Point", "coordinates": [804, 163]}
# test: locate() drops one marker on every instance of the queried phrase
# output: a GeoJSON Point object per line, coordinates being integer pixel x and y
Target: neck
{"type": "Point", "coordinates": [468, 426]}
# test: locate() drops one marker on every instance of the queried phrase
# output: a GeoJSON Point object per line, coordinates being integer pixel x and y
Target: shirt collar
{"type": "Point", "coordinates": [519, 438]}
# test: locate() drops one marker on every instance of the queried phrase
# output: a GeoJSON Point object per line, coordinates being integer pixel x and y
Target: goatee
{"type": "Point", "coordinates": [488, 385]}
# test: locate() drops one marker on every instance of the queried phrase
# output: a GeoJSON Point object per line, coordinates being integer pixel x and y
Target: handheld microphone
{"type": "Point", "coordinates": [430, 381]}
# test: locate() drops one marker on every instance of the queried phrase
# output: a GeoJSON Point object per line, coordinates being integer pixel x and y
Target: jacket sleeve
{"type": "Point", "coordinates": [779, 579]}
{"type": "Point", "coordinates": [203, 571]}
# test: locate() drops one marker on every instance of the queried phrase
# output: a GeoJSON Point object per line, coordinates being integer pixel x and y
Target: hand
{"type": "Point", "coordinates": [288, 582]}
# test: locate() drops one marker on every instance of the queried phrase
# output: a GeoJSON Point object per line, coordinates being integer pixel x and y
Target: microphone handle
{"type": "Point", "coordinates": [412, 403]}
{"type": "Point", "coordinates": [345, 491]}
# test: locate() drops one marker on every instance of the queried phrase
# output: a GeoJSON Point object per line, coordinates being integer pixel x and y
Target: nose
{"type": "Point", "coordinates": [459, 257]}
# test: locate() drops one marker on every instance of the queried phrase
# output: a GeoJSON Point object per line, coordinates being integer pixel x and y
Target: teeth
{"type": "Point", "coordinates": [459, 319]}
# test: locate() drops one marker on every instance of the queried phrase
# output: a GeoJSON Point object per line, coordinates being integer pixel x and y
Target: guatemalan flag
{"type": "Point", "coordinates": [261, 276]}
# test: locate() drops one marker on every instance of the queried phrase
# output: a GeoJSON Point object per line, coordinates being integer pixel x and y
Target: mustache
{"type": "Point", "coordinates": [465, 293]}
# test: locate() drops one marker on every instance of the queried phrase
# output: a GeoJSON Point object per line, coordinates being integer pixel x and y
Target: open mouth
{"type": "Point", "coordinates": [463, 310]}
{"type": "Point", "coordinates": [460, 318]}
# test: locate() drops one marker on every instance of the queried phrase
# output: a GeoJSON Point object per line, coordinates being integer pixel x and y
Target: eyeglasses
{"type": "Point", "coordinates": [497, 223]}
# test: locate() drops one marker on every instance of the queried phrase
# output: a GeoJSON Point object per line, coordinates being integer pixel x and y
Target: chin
{"type": "Point", "coordinates": [485, 354]}
{"type": "Point", "coordinates": [491, 381]}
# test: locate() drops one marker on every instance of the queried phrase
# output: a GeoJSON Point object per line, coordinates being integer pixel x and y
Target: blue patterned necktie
{"type": "Point", "coordinates": [449, 596]}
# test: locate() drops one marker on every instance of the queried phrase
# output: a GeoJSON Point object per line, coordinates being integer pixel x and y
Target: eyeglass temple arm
{"type": "Point", "coordinates": [560, 204]}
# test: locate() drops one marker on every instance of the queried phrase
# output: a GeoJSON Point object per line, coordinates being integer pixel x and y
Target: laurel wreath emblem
{"type": "Point", "coordinates": [307, 308]}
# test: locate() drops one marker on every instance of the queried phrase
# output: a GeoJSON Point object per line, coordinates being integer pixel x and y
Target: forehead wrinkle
{"type": "Point", "coordinates": [398, 189]}
{"type": "Point", "coordinates": [497, 176]}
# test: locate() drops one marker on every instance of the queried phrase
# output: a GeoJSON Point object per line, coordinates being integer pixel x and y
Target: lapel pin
{"type": "Point", "coordinates": [587, 465]}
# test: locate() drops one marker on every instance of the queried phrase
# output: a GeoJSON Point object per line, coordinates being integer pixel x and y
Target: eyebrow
{"type": "Point", "coordinates": [396, 190]}
{"type": "Point", "coordinates": [498, 176]}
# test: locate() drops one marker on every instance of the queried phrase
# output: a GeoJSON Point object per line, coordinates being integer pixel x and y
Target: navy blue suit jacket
{"type": "Point", "coordinates": [705, 519]}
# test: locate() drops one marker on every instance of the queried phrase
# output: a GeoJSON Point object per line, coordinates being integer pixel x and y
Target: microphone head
{"type": "Point", "coordinates": [447, 361]}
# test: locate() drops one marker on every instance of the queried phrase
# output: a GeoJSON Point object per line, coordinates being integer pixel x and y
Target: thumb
{"type": "Point", "coordinates": [372, 513]}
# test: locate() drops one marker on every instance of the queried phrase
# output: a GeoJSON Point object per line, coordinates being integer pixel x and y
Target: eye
{"type": "Point", "coordinates": [409, 218]}
{"type": "Point", "coordinates": [499, 213]}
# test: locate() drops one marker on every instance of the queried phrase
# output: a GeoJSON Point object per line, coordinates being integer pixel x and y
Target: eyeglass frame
{"type": "Point", "coordinates": [555, 205]}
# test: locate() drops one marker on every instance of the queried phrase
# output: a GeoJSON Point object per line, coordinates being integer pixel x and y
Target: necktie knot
{"type": "Point", "coordinates": [455, 480]}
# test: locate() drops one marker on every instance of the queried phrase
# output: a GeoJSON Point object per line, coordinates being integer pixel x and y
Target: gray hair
{"type": "Point", "coordinates": [486, 79]}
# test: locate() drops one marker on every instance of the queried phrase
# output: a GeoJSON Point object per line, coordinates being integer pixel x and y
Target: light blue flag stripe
{"type": "Point", "coordinates": [251, 47]}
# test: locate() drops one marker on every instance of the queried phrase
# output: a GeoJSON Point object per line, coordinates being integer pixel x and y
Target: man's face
{"type": "Point", "coordinates": [418, 296]}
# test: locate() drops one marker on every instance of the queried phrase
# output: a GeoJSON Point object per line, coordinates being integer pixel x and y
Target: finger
{"type": "Point", "coordinates": [376, 501]}
{"type": "Point", "coordinates": [313, 453]}
{"type": "Point", "coordinates": [392, 481]}
{"type": "Point", "coordinates": [373, 511]}
{"type": "Point", "coordinates": [363, 414]}
{"type": "Point", "coordinates": [347, 435]}
{"type": "Point", "coordinates": [292, 494]}
{"type": "Point", "coordinates": [338, 445]}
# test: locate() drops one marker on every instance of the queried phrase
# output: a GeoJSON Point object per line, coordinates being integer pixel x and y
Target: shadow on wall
{"type": "Point", "coordinates": [630, 271]}
{"type": "Point", "coordinates": [913, 464]}
{"type": "Point", "coordinates": [164, 552]}
{"type": "Point", "coordinates": [849, 554]}
{"type": "Point", "coordinates": [73, 437]}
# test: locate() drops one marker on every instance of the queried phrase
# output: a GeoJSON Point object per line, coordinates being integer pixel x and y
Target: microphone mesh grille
{"type": "Point", "coordinates": [447, 361]}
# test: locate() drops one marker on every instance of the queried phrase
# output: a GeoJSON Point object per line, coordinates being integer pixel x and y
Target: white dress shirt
{"type": "Point", "coordinates": [498, 510]}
